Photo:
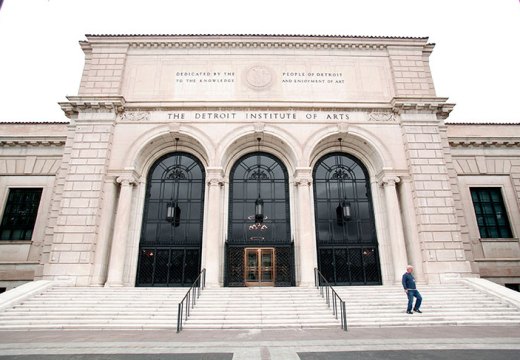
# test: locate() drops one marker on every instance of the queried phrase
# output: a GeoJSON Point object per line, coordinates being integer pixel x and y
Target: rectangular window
{"type": "Point", "coordinates": [491, 214]}
{"type": "Point", "coordinates": [20, 213]}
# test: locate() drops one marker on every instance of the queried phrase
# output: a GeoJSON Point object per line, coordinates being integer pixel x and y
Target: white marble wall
{"type": "Point", "coordinates": [217, 95]}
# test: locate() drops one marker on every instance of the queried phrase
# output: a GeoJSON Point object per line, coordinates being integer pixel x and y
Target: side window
{"type": "Point", "coordinates": [491, 213]}
{"type": "Point", "coordinates": [20, 213]}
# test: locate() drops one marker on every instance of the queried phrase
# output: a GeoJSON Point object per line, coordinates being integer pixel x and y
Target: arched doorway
{"type": "Point", "coordinates": [345, 228]}
{"type": "Point", "coordinates": [171, 236]}
{"type": "Point", "coordinates": [259, 249]}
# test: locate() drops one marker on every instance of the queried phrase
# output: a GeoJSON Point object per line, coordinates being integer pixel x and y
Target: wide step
{"type": "Point", "coordinates": [253, 308]}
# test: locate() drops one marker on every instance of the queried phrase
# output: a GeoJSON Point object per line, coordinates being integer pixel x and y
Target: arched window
{"type": "Point", "coordinates": [171, 236]}
{"type": "Point", "coordinates": [259, 225]}
{"type": "Point", "coordinates": [345, 228]}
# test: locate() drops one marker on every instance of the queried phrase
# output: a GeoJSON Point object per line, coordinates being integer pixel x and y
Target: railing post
{"type": "Point", "coordinates": [328, 295]}
{"type": "Point", "coordinates": [334, 305]}
{"type": "Point", "coordinates": [190, 299]}
{"type": "Point", "coordinates": [335, 298]}
{"type": "Point", "coordinates": [179, 317]}
{"type": "Point", "coordinates": [343, 315]}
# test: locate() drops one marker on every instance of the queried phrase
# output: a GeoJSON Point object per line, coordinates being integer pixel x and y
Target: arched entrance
{"type": "Point", "coordinates": [171, 236]}
{"type": "Point", "coordinates": [259, 249]}
{"type": "Point", "coordinates": [345, 228]}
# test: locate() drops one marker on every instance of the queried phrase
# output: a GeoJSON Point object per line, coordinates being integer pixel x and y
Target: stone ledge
{"type": "Point", "coordinates": [28, 141]}
{"type": "Point", "coordinates": [507, 295]}
{"type": "Point", "coordinates": [469, 143]}
{"type": "Point", "coordinates": [23, 292]}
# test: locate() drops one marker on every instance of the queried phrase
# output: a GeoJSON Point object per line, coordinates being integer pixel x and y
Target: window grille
{"type": "Point", "coordinates": [20, 213]}
{"type": "Point", "coordinates": [491, 213]}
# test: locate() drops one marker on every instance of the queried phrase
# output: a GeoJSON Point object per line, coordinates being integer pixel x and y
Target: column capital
{"type": "Point", "coordinates": [126, 180]}
{"type": "Point", "coordinates": [303, 181]}
{"type": "Point", "coordinates": [303, 177]}
{"type": "Point", "coordinates": [215, 176]}
{"type": "Point", "coordinates": [389, 181]}
{"type": "Point", "coordinates": [215, 180]}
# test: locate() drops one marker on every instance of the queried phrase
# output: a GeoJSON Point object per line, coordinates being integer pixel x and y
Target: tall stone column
{"type": "Point", "coordinates": [395, 226]}
{"type": "Point", "coordinates": [413, 246]}
{"type": "Point", "coordinates": [122, 223]}
{"type": "Point", "coordinates": [306, 239]}
{"type": "Point", "coordinates": [99, 274]}
{"type": "Point", "coordinates": [212, 250]}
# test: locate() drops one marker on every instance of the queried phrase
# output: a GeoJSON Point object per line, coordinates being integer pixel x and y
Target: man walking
{"type": "Point", "coordinates": [411, 291]}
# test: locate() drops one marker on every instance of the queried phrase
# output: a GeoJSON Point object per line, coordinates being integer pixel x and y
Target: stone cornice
{"type": "Point", "coordinates": [433, 105]}
{"type": "Point", "coordinates": [306, 45]}
{"type": "Point", "coordinates": [32, 141]}
{"type": "Point", "coordinates": [469, 142]}
{"type": "Point", "coordinates": [375, 107]}
{"type": "Point", "coordinates": [78, 104]}
{"type": "Point", "coordinates": [313, 42]}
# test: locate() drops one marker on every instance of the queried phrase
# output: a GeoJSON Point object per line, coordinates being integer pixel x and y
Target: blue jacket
{"type": "Point", "coordinates": [409, 281]}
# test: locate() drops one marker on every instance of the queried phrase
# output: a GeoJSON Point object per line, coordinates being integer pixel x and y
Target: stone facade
{"type": "Point", "coordinates": [142, 97]}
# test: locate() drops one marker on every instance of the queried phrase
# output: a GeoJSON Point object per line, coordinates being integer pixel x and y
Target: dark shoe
{"type": "Point", "coordinates": [409, 312]}
{"type": "Point", "coordinates": [417, 310]}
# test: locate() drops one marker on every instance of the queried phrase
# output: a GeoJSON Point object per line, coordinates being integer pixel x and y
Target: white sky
{"type": "Point", "coordinates": [476, 61]}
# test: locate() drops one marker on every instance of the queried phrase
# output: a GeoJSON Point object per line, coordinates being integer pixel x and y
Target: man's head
{"type": "Point", "coordinates": [409, 268]}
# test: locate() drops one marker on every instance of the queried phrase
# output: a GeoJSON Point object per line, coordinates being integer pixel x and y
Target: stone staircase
{"type": "Point", "coordinates": [443, 305]}
{"type": "Point", "coordinates": [252, 308]}
{"type": "Point", "coordinates": [261, 308]}
{"type": "Point", "coordinates": [95, 308]}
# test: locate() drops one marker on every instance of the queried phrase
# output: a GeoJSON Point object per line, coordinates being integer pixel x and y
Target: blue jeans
{"type": "Point", "coordinates": [411, 294]}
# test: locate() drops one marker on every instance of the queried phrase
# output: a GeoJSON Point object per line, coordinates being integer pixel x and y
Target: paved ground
{"type": "Point", "coordinates": [497, 343]}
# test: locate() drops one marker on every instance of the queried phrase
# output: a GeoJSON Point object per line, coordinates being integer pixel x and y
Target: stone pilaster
{"type": "Point", "coordinates": [395, 226]}
{"type": "Point", "coordinates": [79, 195]}
{"type": "Point", "coordinates": [306, 241]}
{"type": "Point", "coordinates": [116, 263]}
{"type": "Point", "coordinates": [437, 226]}
{"type": "Point", "coordinates": [212, 258]}
{"type": "Point", "coordinates": [100, 268]}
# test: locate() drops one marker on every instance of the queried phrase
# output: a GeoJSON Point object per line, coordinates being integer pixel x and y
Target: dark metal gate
{"type": "Point", "coordinates": [350, 265]}
{"type": "Point", "coordinates": [235, 271]}
{"type": "Point", "coordinates": [345, 228]}
{"type": "Point", "coordinates": [259, 217]}
{"type": "Point", "coordinates": [168, 266]}
{"type": "Point", "coordinates": [171, 236]}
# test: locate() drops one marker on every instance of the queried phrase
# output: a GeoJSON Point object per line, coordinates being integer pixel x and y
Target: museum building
{"type": "Point", "coordinates": [258, 158]}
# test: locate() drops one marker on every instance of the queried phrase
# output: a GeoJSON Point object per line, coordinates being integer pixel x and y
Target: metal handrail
{"type": "Point", "coordinates": [190, 299]}
{"type": "Point", "coordinates": [325, 289]}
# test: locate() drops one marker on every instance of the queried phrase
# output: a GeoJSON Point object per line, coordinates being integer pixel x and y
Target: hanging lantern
{"type": "Point", "coordinates": [173, 213]}
{"type": "Point", "coordinates": [259, 210]}
{"type": "Point", "coordinates": [343, 212]}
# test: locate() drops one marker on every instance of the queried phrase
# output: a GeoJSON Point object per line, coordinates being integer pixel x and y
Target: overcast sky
{"type": "Point", "coordinates": [476, 61]}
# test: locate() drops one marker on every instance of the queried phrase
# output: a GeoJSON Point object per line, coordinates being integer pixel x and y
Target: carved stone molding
{"type": "Point", "coordinates": [433, 105]}
{"type": "Point", "coordinates": [136, 116]}
{"type": "Point", "coordinates": [487, 143]}
{"type": "Point", "coordinates": [303, 181]}
{"type": "Point", "coordinates": [77, 104]}
{"type": "Point", "coordinates": [303, 177]}
{"type": "Point", "coordinates": [239, 44]}
{"type": "Point", "coordinates": [259, 127]}
{"type": "Point", "coordinates": [389, 181]}
{"type": "Point", "coordinates": [215, 176]}
{"type": "Point", "coordinates": [259, 77]}
{"type": "Point", "coordinates": [342, 128]}
{"type": "Point", "coordinates": [381, 116]}
{"type": "Point", "coordinates": [13, 142]}
{"type": "Point", "coordinates": [126, 180]}
{"type": "Point", "coordinates": [216, 181]}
